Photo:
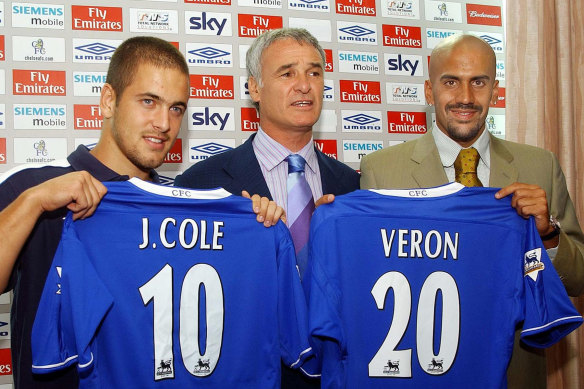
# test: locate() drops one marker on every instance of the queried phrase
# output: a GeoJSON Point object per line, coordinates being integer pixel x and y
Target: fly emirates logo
{"type": "Point", "coordinates": [211, 87]}
{"type": "Point", "coordinates": [39, 82]}
{"type": "Point", "coordinates": [360, 91]}
{"type": "Point", "coordinates": [97, 18]}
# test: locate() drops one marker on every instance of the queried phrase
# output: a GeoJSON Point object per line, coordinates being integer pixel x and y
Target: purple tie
{"type": "Point", "coordinates": [300, 208]}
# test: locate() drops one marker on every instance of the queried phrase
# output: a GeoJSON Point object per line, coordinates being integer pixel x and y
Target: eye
{"type": "Point", "coordinates": [148, 101]}
{"type": "Point", "coordinates": [449, 82]}
{"type": "Point", "coordinates": [479, 83]}
{"type": "Point", "coordinates": [178, 110]}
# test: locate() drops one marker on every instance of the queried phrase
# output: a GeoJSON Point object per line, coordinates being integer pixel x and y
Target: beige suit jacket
{"type": "Point", "coordinates": [417, 164]}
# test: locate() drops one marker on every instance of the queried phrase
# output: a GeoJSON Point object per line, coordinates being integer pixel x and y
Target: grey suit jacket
{"type": "Point", "coordinates": [417, 164]}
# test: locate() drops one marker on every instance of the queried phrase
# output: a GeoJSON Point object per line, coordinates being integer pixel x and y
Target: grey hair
{"type": "Point", "coordinates": [254, 54]}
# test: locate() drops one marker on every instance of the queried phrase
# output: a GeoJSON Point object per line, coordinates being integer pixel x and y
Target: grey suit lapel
{"type": "Point", "coordinates": [429, 171]}
{"type": "Point", "coordinates": [503, 173]}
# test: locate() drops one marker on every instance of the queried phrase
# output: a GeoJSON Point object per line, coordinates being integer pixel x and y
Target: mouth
{"type": "Point", "coordinates": [155, 142]}
{"type": "Point", "coordinates": [302, 103]}
{"type": "Point", "coordinates": [464, 113]}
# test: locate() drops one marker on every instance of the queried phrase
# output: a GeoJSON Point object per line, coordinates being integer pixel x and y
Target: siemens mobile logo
{"type": "Point", "coordinates": [40, 116]}
{"type": "Point", "coordinates": [211, 119]}
{"type": "Point", "coordinates": [94, 51]}
{"type": "Point", "coordinates": [403, 65]}
{"type": "Point", "coordinates": [358, 121]}
{"type": "Point", "coordinates": [354, 150]}
{"type": "Point", "coordinates": [88, 83]}
{"type": "Point", "coordinates": [209, 55]}
{"type": "Point", "coordinates": [29, 15]}
{"type": "Point", "coordinates": [362, 33]}
{"type": "Point", "coordinates": [208, 23]}
{"type": "Point", "coordinates": [260, 3]}
{"type": "Point", "coordinates": [358, 62]}
{"type": "Point", "coordinates": [310, 5]}
{"type": "Point", "coordinates": [500, 70]}
{"type": "Point", "coordinates": [434, 36]}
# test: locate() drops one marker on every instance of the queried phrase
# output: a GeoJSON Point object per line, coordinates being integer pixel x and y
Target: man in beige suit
{"type": "Point", "coordinates": [461, 86]}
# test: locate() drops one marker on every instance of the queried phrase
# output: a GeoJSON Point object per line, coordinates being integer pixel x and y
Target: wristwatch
{"type": "Point", "coordinates": [556, 224]}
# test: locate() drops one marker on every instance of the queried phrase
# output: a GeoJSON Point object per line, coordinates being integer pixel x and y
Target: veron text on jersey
{"type": "Point", "coordinates": [417, 244]}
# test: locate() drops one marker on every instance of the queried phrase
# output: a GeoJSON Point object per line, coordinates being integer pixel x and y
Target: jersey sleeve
{"type": "Point", "coordinates": [549, 313]}
{"type": "Point", "coordinates": [73, 304]}
{"type": "Point", "coordinates": [296, 351]}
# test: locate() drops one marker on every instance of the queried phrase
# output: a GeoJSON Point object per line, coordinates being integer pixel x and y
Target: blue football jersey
{"type": "Point", "coordinates": [424, 288]}
{"type": "Point", "coordinates": [170, 287]}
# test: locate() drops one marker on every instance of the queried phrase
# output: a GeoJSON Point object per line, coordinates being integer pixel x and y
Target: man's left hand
{"type": "Point", "coordinates": [267, 211]}
{"type": "Point", "coordinates": [530, 200]}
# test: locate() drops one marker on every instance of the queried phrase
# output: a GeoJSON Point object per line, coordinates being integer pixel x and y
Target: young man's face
{"type": "Point", "coordinates": [293, 83]}
{"type": "Point", "coordinates": [147, 117]}
{"type": "Point", "coordinates": [462, 85]}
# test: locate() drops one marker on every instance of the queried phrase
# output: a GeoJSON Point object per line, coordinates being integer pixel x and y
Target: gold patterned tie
{"type": "Point", "coordinates": [465, 167]}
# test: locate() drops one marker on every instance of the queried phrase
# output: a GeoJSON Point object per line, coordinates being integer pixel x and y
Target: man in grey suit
{"type": "Point", "coordinates": [461, 86]}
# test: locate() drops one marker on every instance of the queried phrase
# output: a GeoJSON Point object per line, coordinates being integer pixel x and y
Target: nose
{"type": "Point", "coordinates": [162, 120]}
{"type": "Point", "coordinates": [465, 94]}
{"type": "Point", "coordinates": [302, 83]}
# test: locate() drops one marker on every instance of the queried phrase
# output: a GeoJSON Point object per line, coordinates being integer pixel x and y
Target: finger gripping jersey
{"type": "Point", "coordinates": [168, 287]}
{"type": "Point", "coordinates": [424, 288]}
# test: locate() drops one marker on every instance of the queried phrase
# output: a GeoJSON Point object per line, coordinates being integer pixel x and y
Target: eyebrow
{"type": "Point", "coordinates": [289, 65]}
{"type": "Point", "coordinates": [453, 77]}
{"type": "Point", "coordinates": [158, 98]}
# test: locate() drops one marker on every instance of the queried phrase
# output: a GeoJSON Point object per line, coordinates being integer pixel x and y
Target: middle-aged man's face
{"type": "Point", "coordinates": [461, 86]}
{"type": "Point", "coordinates": [293, 83]}
{"type": "Point", "coordinates": [147, 117]}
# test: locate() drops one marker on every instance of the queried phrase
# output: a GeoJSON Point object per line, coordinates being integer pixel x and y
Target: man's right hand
{"type": "Point", "coordinates": [78, 191]}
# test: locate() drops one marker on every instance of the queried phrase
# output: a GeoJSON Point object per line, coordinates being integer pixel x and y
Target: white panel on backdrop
{"type": "Point", "coordinates": [405, 93]}
{"type": "Point", "coordinates": [357, 33]}
{"type": "Point", "coordinates": [361, 121]}
{"type": "Point", "coordinates": [38, 49]}
{"type": "Point", "coordinates": [211, 118]}
{"type": "Point", "coordinates": [329, 91]}
{"type": "Point", "coordinates": [492, 38]}
{"type": "Point", "coordinates": [39, 150]}
{"type": "Point", "coordinates": [30, 15]}
{"type": "Point", "coordinates": [242, 53]}
{"type": "Point", "coordinates": [443, 11]}
{"type": "Point", "coordinates": [361, 62]}
{"type": "Point", "coordinates": [354, 150]}
{"type": "Point", "coordinates": [40, 116]}
{"type": "Point", "coordinates": [88, 83]}
{"type": "Point", "coordinates": [500, 70]}
{"type": "Point", "coordinates": [208, 23]}
{"type": "Point", "coordinates": [2, 82]}
{"type": "Point", "coordinates": [211, 55]}
{"type": "Point", "coordinates": [94, 50]}
{"type": "Point", "coordinates": [321, 29]}
{"type": "Point", "coordinates": [160, 21]}
{"type": "Point", "coordinates": [405, 9]}
{"type": "Point", "coordinates": [403, 65]}
{"type": "Point", "coordinates": [327, 122]}
{"type": "Point", "coordinates": [310, 5]}
{"type": "Point", "coordinates": [496, 125]}
{"type": "Point", "coordinates": [260, 3]}
{"type": "Point", "coordinates": [1, 14]}
{"type": "Point", "coordinates": [2, 117]}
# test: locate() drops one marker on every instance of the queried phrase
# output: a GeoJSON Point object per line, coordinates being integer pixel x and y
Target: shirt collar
{"type": "Point", "coordinates": [82, 159]}
{"type": "Point", "coordinates": [273, 153]}
{"type": "Point", "coordinates": [449, 149]}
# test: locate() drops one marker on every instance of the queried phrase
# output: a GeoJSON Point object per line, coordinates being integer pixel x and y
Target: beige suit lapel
{"type": "Point", "coordinates": [429, 171]}
{"type": "Point", "coordinates": [503, 173]}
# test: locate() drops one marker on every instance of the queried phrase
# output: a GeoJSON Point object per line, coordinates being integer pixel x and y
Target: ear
{"type": "Point", "coordinates": [495, 96]}
{"type": "Point", "coordinates": [107, 101]}
{"type": "Point", "coordinates": [254, 89]}
{"type": "Point", "coordinates": [428, 92]}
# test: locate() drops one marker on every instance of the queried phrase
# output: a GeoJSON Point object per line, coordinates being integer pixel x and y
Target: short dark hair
{"type": "Point", "coordinates": [142, 50]}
